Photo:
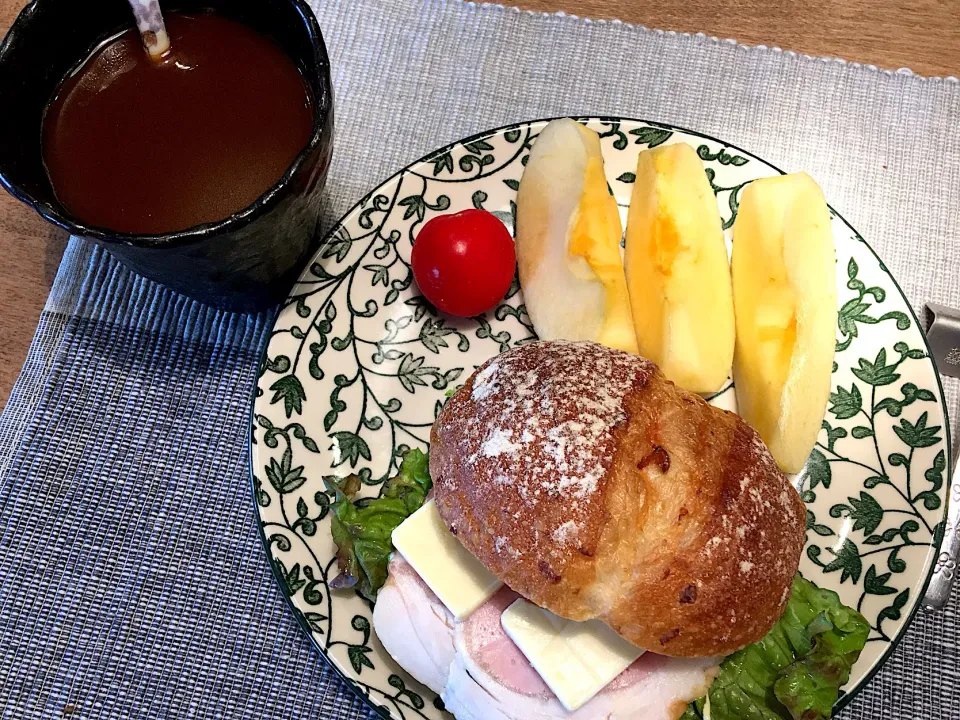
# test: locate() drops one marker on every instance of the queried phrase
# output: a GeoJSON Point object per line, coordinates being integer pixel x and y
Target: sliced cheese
{"type": "Point", "coordinates": [456, 577]}
{"type": "Point", "coordinates": [575, 659]}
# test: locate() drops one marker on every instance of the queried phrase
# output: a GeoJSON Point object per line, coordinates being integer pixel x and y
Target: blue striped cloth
{"type": "Point", "coordinates": [134, 584]}
{"type": "Point", "coordinates": [132, 581]}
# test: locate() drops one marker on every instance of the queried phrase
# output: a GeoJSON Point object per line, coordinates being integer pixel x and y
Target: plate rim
{"type": "Point", "coordinates": [845, 697]}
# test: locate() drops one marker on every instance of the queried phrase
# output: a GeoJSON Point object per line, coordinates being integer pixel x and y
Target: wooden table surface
{"type": "Point", "coordinates": [923, 35]}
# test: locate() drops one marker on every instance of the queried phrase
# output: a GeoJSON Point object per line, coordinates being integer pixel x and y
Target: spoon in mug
{"type": "Point", "coordinates": [153, 32]}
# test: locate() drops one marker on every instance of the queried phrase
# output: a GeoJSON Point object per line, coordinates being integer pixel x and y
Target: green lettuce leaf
{"type": "Point", "coordinates": [362, 528]}
{"type": "Point", "coordinates": [694, 710]}
{"type": "Point", "coordinates": [795, 672]}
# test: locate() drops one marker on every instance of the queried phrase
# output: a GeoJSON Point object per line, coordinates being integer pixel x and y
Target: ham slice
{"type": "Point", "coordinates": [414, 626]}
{"type": "Point", "coordinates": [481, 674]}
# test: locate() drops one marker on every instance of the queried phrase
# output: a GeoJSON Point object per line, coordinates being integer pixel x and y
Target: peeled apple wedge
{"type": "Point", "coordinates": [678, 274]}
{"type": "Point", "coordinates": [568, 241]}
{"type": "Point", "coordinates": [785, 297]}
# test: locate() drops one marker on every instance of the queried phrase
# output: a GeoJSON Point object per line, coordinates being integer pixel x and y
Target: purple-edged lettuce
{"type": "Point", "coordinates": [362, 528]}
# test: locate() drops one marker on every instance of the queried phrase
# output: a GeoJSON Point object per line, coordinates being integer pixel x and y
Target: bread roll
{"type": "Point", "coordinates": [596, 488]}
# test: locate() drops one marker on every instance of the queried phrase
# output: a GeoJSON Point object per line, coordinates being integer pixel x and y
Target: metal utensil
{"type": "Point", "coordinates": [945, 571]}
{"type": "Point", "coordinates": [152, 29]}
{"type": "Point", "coordinates": [943, 334]}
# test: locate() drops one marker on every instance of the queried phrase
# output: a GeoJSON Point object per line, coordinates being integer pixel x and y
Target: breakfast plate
{"type": "Point", "coordinates": [359, 364]}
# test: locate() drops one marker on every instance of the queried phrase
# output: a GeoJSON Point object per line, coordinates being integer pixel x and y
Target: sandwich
{"type": "Point", "coordinates": [588, 540]}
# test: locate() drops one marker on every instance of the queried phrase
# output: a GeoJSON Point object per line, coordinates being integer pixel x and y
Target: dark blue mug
{"type": "Point", "coordinates": [245, 262]}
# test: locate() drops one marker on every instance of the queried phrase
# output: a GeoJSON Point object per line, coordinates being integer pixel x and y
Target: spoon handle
{"type": "Point", "coordinates": [151, 26]}
{"type": "Point", "coordinates": [945, 571]}
{"type": "Point", "coordinates": [942, 327]}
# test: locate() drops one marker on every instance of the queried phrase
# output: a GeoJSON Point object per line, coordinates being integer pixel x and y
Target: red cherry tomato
{"type": "Point", "coordinates": [464, 262]}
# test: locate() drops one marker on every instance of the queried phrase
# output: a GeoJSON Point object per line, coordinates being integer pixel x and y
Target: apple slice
{"type": "Point", "coordinates": [785, 297]}
{"type": "Point", "coordinates": [678, 275]}
{"type": "Point", "coordinates": [568, 241]}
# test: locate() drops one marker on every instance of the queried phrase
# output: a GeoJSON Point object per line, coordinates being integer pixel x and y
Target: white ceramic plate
{"type": "Point", "coordinates": [358, 365]}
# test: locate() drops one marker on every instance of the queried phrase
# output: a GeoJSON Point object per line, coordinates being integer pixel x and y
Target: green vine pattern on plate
{"type": "Point", "coordinates": [901, 521]}
{"type": "Point", "coordinates": [359, 364]}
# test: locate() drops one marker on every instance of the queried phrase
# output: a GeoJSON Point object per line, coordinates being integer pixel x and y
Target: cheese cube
{"type": "Point", "coordinates": [456, 577]}
{"type": "Point", "coordinates": [575, 659]}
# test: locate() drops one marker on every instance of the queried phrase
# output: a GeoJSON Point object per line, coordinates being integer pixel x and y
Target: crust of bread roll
{"type": "Point", "coordinates": [596, 488]}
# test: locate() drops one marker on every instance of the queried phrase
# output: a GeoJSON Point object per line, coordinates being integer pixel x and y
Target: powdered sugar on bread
{"type": "Point", "coordinates": [537, 438]}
